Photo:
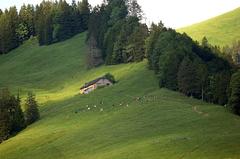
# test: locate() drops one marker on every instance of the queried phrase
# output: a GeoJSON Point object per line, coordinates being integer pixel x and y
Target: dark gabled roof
{"type": "Point", "coordinates": [92, 82]}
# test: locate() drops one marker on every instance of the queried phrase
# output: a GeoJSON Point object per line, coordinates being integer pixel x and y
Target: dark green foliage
{"type": "Point", "coordinates": [110, 38]}
{"type": "Point", "coordinates": [17, 116]}
{"type": "Point", "coordinates": [62, 21]}
{"type": "Point", "coordinates": [50, 22]}
{"type": "Point", "coordinates": [59, 21]}
{"type": "Point", "coordinates": [26, 27]}
{"type": "Point", "coordinates": [151, 41]}
{"type": "Point", "coordinates": [84, 10]}
{"type": "Point", "coordinates": [124, 42]}
{"type": "Point", "coordinates": [136, 43]}
{"type": "Point", "coordinates": [9, 22]}
{"type": "Point", "coordinates": [187, 77]}
{"type": "Point", "coordinates": [110, 77]}
{"type": "Point", "coordinates": [11, 115]}
{"type": "Point", "coordinates": [44, 23]}
{"type": "Point", "coordinates": [22, 32]}
{"type": "Point", "coordinates": [202, 78]}
{"type": "Point", "coordinates": [12, 15]}
{"type": "Point", "coordinates": [31, 109]}
{"type": "Point", "coordinates": [219, 84]}
{"type": "Point", "coordinates": [118, 32]}
{"type": "Point", "coordinates": [184, 65]}
{"type": "Point", "coordinates": [5, 125]}
{"type": "Point", "coordinates": [168, 68]}
{"type": "Point", "coordinates": [117, 10]}
{"type": "Point", "coordinates": [234, 93]}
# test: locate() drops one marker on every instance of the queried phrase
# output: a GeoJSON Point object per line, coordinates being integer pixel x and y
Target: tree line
{"type": "Point", "coordinates": [115, 33]}
{"type": "Point", "coordinates": [196, 70]}
{"type": "Point", "coordinates": [49, 21]}
{"type": "Point", "coordinates": [12, 118]}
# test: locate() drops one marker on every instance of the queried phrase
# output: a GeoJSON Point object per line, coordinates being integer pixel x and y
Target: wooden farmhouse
{"type": "Point", "coordinates": [91, 86]}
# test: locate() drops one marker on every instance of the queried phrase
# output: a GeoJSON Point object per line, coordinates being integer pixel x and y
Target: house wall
{"type": "Point", "coordinates": [88, 89]}
{"type": "Point", "coordinates": [101, 82]}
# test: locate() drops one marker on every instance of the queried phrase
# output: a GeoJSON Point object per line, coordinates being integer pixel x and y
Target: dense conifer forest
{"type": "Point", "coordinates": [50, 21]}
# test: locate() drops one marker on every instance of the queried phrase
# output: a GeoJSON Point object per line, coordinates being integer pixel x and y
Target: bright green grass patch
{"type": "Point", "coordinates": [222, 30]}
{"type": "Point", "coordinates": [162, 124]}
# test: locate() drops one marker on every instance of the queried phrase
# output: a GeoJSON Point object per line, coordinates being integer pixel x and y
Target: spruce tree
{"type": "Point", "coordinates": [12, 15]}
{"type": "Point", "coordinates": [137, 40]}
{"type": "Point", "coordinates": [84, 9]}
{"type": "Point", "coordinates": [31, 109]}
{"type": "Point", "coordinates": [44, 23]}
{"type": "Point", "coordinates": [202, 76]}
{"type": "Point", "coordinates": [168, 69]}
{"type": "Point", "coordinates": [187, 77]}
{"type": "Point", "coordinates": [5, 124]}
{"type": "Point", "coordinates": [234, 97]}
{"type": "Point", "coordinates": [26, 17]}
{"type": "Point", "coordinates": [151, 40]}
{"type": "Point", "coordinates": [1, 33]}
{"type": "Point", "coordinates": [17, 116]}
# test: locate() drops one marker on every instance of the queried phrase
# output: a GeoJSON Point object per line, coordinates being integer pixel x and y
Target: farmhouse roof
{"type": "Point", "coordinates": [92, 82]}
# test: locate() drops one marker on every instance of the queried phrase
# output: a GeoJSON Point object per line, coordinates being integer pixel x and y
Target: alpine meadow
{"type": "Point", "coordinates": [79, 81]}
{"type": "Point", "coordinates": [221, 30]}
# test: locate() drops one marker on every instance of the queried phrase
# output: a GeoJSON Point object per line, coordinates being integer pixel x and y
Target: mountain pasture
{"type": "Point", "coordinates": [132, 119]}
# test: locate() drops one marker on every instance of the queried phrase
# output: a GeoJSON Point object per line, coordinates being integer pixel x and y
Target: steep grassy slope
{"type": "Point", "coordinates": [221, 30]}
{"type": "Point", "coordinates": [138, 120]}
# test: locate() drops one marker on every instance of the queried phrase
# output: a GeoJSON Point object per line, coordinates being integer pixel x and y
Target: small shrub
{"type": "Point", "coordinates": [110, 77]}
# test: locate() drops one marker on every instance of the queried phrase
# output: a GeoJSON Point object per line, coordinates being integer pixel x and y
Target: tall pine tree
{"type": "Point", "coordinates": [31, 109]}
{"type": "Point", "coordinates": [187, 77]}
{"type": "Point", "coordinates": [234, 95]}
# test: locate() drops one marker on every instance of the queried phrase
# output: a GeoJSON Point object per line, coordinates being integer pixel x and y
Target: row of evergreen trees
{"type": "Point", "coordinates": [12, 118]}
{"type": "Point", "coordinates": [50, 22]}
{"type": "Point", "coordinates": [184, 65]}
{"type": "Point", "coordinates": [58, 21]}
{"type": "Point", "coordinates": [116, 33]}
{"type": "Point", "coordinates": [234, 93]}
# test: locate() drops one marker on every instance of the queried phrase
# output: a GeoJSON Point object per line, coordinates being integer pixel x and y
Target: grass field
{"type": "Point", "coordinates": [161, 124]}
{"type": "Point", "coordinates": [221, 30]}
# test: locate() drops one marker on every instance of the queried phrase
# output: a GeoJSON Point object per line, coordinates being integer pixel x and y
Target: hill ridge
{"type": "Point", "coordinates": [220, 30]}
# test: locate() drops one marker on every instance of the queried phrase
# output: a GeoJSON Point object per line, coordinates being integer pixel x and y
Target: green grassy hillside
{"type": "Point", "coordinates": [221, 30]}
{"type": "Point", "coordinates": [138, 120]}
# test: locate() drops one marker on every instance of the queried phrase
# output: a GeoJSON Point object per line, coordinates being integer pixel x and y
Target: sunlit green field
{"type": "Point", "coordinates": [221, 30]}
{"type": "Point", "coordinates": [133, 119]}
